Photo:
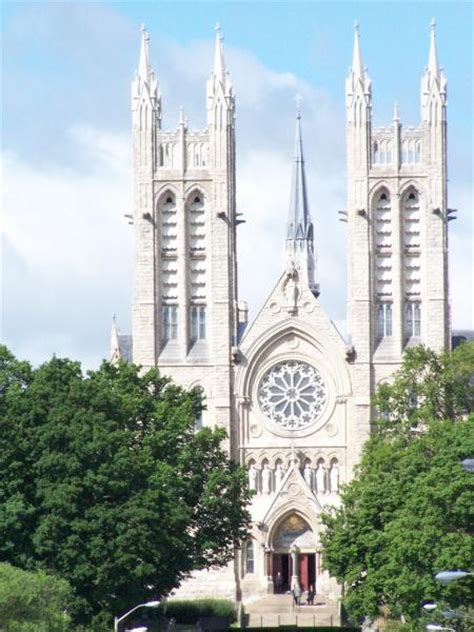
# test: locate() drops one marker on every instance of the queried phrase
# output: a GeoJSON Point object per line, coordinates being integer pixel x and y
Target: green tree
{"type": "Point", "coordinates": [104, 481]}
{"type": "Point", "coordinates": [409, 511]}
{"type": "Point", "coordinates": [33, 602]}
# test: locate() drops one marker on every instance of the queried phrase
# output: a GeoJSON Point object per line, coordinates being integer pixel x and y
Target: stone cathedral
{"type": "Point", "coordinates": [293, 395]}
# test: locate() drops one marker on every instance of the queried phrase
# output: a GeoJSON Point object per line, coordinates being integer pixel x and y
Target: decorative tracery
{"type": "Point", "coordinates": [292, 394]}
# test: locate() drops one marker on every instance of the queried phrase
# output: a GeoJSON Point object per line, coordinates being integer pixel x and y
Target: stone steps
{"type": "Point", "coordinates": [276, 610]}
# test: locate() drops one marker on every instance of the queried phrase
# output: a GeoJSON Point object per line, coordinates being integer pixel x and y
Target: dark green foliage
{"type": "Point", "coordinates": [189, 612]}
{"type": "Point", "coordinates": [104, 481]}
{"type": "Point", "coordinates": [409, 512]}
{"type": "Point", "coordinates": [33, 602]}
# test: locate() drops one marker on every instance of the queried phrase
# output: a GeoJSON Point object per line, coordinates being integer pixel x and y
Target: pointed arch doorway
{"type": "Point", "coordinates": [294, 554]}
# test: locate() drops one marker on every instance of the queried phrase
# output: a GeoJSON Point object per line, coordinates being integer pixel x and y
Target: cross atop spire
{"type": "Point", "coordinates": [433, 67]}
{"type": "Point", "coordinates": [219, 64]}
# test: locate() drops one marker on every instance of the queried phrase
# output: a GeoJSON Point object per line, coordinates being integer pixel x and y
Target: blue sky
{"type": "Point", "coordinates": [66, 74]}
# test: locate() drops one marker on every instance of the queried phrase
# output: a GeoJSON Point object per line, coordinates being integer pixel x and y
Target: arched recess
{"type": "Point", "coordinates": [382, 239]}
{"type": "Point", "coordinates": [196, 239]}
{"type": "Point", "coordinates": [270, 341]}
{"type": "Point", "coordinates": [277, 346]}
{"type": "Point", "coordinates": [301, 526]}
{"type": "Point", "coordinates": [412, 256]}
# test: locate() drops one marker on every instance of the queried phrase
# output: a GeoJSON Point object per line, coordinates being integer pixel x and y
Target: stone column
{"type": "Point", "coordinates": [318, 563]}
{"type": "Point", "coordinates": [294, 564]}
{"type": "Point", "coordinates": [269, 569]}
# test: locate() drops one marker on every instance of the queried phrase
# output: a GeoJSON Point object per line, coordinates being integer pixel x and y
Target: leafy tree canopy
{"type": "Point", "coordinates": [33, 602]}
{"type": "Point", "coordinates": [104, 481]}
{"type": "Point", "coordinates": [409, 511]}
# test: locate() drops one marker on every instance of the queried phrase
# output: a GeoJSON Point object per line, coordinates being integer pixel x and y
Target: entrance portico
{"type": "Point", "coordinates": [294, 554]}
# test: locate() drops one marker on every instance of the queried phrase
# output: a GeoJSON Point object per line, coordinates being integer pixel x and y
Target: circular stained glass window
{"type": "Point", "coordinates": [292, 394]}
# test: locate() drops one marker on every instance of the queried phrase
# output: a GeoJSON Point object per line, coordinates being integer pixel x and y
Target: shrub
{"type": "Point", "coordinates": [189, 612]}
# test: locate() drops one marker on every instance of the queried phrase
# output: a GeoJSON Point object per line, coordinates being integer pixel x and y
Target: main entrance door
{"type": "Point", "coordinates": [306, 571]}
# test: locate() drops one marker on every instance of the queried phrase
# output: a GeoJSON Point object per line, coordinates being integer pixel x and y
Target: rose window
{"type": "Point", "coordinates": [292, 394]}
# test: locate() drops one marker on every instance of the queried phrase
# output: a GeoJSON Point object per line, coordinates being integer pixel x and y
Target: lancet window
{"type": "Point", "coordinates": [249, 557]}
{"type": "Point", "coordinates": [169, 230]}
{"type": "Point", "coordinates": [196, 213]}
{"type": "Point", "coordinates": [412, 319]}
{"type": "Point", "coordinates": [384, 319]}
{"type": "Point", "coordinates": [382, 152]}
{"type": "Point", "coordinates": [383, 263]}
{"type": "Point", "coordinates": [411, 220]}
{"type": "Point", "coordinates": [411, 151]}
{"type": "Point", "coordinates": [170, 322]}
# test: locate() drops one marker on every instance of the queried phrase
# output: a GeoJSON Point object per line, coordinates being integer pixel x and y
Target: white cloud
{"type": "Point", "coordinates": [68, 249]}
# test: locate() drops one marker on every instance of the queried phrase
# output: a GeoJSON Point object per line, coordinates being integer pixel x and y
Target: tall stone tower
{"type": "Point", "coordinates": [397, 221]}
{"type": "Point", "coordinates": [184, 302]}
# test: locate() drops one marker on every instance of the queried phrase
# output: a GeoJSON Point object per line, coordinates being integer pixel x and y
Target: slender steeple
{"type": "Point", "coordinates": [433, 82]}
{"type": "Point", "coordinates": [219, 64]}
{"type": "Point", "coordinates": [433, 67]}
{"type": "Point", "coordinates": [299, 238]}
{"type": "Point", "coordinates": [357, 67]}
{"type": "Point", "coordinates": [358, 82]}
{"type": "Point", "coordinates": [298, 220]}
{"type": "Point", "coordinates": [144, 67]}
{"type": "Point", "coordinates": [145, 90]}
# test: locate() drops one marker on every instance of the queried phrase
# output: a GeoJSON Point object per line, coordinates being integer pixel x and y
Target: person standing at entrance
{"type": "Point", "coordinates": [278, 583]}
{"type": "Point", "coordinates": [296, 593]}
{"type": "Point", "coordinates": [311, 595]}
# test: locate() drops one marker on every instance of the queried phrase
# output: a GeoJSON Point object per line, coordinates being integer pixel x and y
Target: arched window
{"type": "Point", "coordinates": [169, 224]}
{"type": "Point", "coordinates": [196, 213]}
{"type": "Point", "coordinates": [383, 263]}
{"type": "Point", "coordinates": [375, 153]}
{"type": "Point", "coordinates": [412, 319]}
{"type": "Point", "coordinates": [198, 424]}
{"type": "Point", "coordinates": [418, 151]}
{"type": "Point", "coordinates": [249, 557]}
{"type": "Point", "coordinates": [412, 263]}
{"type": "Point", "coordinates": [384, 320]}
{"type": "Point", "coordinates": [404, 151]}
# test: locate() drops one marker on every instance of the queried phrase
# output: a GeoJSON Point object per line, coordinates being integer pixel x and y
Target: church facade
{"type": "Point", "coordinates": [292, 394]}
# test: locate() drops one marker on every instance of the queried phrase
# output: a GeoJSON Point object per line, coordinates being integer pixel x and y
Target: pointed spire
{"type": "Point", "coordinates": [219, 64]}
{"type": "Point", "coordinates": [299, 238]}
{"type": "Point", "coordinates": [357, 67]}
{"type": "Point", "coordinates": [433, 67]}
{"type": "Point", "coordinates": [114, 341]}
{"type": "Point", "coordinates": [144, 67]}
{"type": "Point", "coordinates": [298, 221]}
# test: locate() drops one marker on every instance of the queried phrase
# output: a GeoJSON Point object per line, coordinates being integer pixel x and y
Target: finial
{"type": "Point", "coordinates": [143, 26]}
{"type": "Point", "coordinates": [356, 25]}
{"type": "Point", "coordinates": [181, 115]}
{"type": "Point", "coordinates": [298, 101]}
{"type": "Point", "coordinates": [433, 24]}
{"type": "Point", "coordinates": [395, 111]}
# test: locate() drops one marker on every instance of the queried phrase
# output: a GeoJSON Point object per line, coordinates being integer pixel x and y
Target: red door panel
{"type": "Point", "coordinates": [303, 571]}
